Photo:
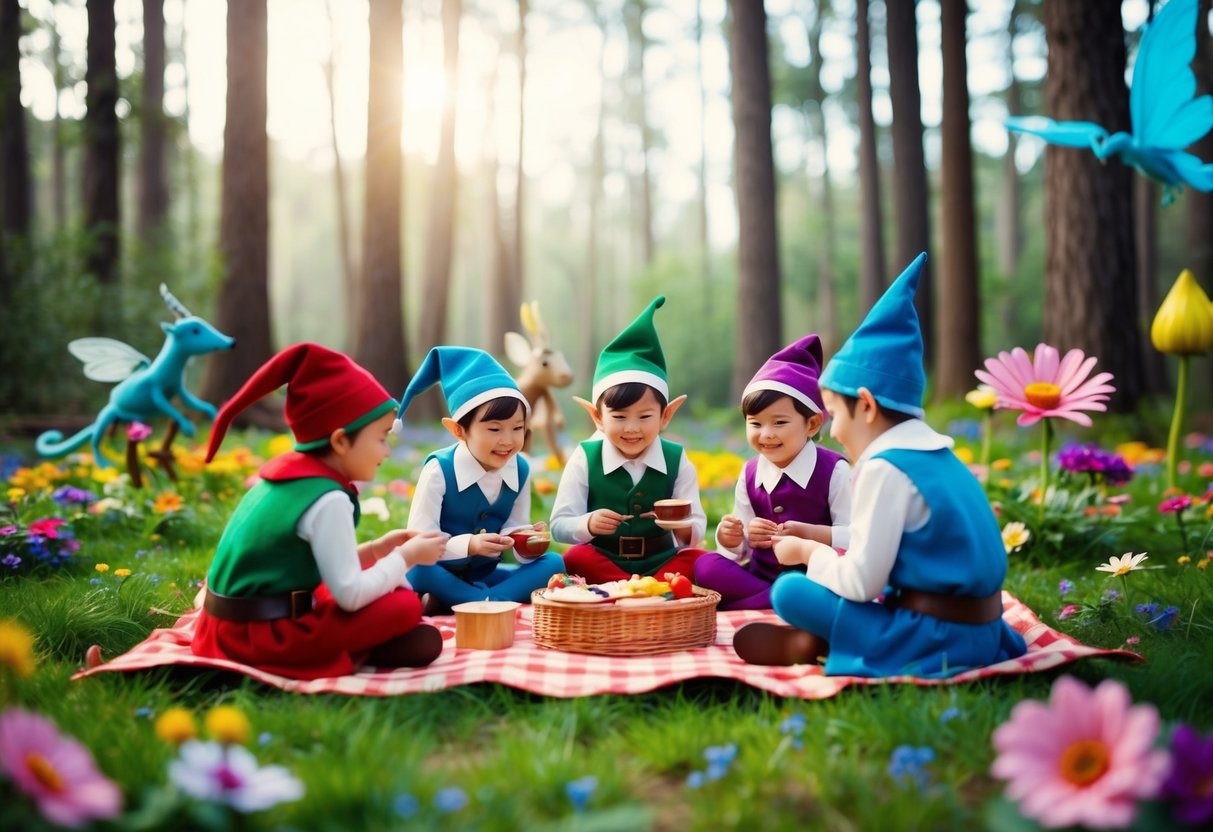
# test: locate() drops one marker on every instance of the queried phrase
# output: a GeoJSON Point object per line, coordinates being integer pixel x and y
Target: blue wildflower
{"type": "Point", "coordinates": [950, 714]}
{"type": "Point", "coordinates": [1111, 595]}
{"type": "Point", "coordinates": [965, 429]}
{"type": "Point", "coordinates": [579, 791]}
{"type": "Point", "coordinates": [1146, 609]}
{"type": "Point", "coordinates": [793, 725]}
{"type": "Point", "coordinates": [451, 799]}
{"type": "Point", "coordinates": [696, 779]}
{"type": "Point", "coordinates": [908, 766]}
{"type": "Point", "coordinates": [1065, 587]}
{"type": "Point", "coordinates": [264, 738]}
{"type": "Point", "coordinates": [720, 754]}
{"type": "Point", "coordinates": [144, 712]}
{"type": "Point", "coordinates": [69, 495]}
{"type": "Point", "coordinates": [405, 806]}
{"type": "Point", "coordinates": [11, 561]}
{"type": "Point", "coordinates": [1164, 619]}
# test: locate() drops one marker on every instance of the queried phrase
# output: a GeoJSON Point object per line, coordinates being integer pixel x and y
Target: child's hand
{"type": "Point", "coordinates": [488, 544]}
{"type": "Point", "coordinates": [793, 551]}
{"type": "Point", "coordinates": [761, 532]}
{"type": "Point", "coordinates": [605, 522]}
{"type": "Point", "coordinates": [423, 548]}
{"type": "Point", "coordinates": [730, 532]}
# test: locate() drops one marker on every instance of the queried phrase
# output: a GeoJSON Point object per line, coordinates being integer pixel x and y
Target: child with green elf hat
{"type": "Point", "coordinates": [477, 490]}
{"type": "Point", "coordinates": [290, 590]}
{"type": "Point", "coordinates": [604, 505]}
{"type": "Point", "coordinates": [924, 542]}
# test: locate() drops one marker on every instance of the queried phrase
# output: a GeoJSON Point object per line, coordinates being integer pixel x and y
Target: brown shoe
{"type": "Point", "coordinates": [416, 648]}
{"type": "Point", "coordinates": [778, 645]}
{"type": "Point", "coordinates": [432, 606]}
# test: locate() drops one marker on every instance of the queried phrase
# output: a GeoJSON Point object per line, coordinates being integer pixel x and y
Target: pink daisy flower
{"type": "Point", "coordinates": [1045, 386]}
{"type": "Point", "coordinates": [57, 772]}
{"type": "Point", "coordinates": [1083, 759]}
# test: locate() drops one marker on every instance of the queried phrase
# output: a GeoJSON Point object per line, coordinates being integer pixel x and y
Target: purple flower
{"type": "Point", "coordinates": [137, 431]}
{"type": "Point", "coordinates": [1164, 618]}
{"type": "Point", "coordinates": [1146, 609]}
{"type": "Point", "coordinates": [69, 495]}
{"type": "Point", "coordinates": [1100, 464]}
{"type": "Point", "coordinates": [1065, 587]}
{"type": "Point", "coordinates": [5, 531]}
{"type": "Point", "coordinates": [1190, 782]}
{"type": "Point", "coordinates": [11, 561]}
{"type": "Point", "coordinates": [1111, 595]}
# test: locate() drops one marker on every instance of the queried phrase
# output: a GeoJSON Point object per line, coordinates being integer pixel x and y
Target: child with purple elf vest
{"type": "Point", "coordinates": [604, 504]}
{"type": "Point", "coordinates": [793, 487]}
{"type": "Point", "coordinates": [291, 591]}
{"type": "Point", "coordinates": [477, 490]}
{"type": "Point", "coordinates": [919, 590]}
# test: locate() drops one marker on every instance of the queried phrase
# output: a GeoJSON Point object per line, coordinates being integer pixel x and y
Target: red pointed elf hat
{"type": "Point", "coordinates": [325, 390]}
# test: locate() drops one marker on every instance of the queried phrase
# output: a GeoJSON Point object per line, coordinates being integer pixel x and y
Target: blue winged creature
{"type": "Point", "coordinates": [1166, 117]}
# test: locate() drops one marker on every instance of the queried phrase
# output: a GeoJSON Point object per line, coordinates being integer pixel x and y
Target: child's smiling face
{"type": "Point", "coordinates": [493, 443]}
{"type": "Point", "coordinates": [779, 432]}
{"type": "Point", "coordinates": [634, 428]}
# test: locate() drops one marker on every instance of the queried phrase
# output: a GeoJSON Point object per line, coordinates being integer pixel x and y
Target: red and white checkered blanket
{"type": "Point", "coordinates": [556, 673]}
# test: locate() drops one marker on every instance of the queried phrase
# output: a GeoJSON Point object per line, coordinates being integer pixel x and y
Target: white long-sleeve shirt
{"type": "Point", "coordinates": [885, 505]}
{"type": "Point", "coordinates": [799, 470]}
{"type": "Point", "coordinates": [328, 526]}
{"type": "Point", "coordinates": [571, 514]}
{"type": "Point", "coordinates": [425, 512]}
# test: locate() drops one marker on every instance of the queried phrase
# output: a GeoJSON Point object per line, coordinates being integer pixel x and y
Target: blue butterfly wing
{"type": "Point", "coordinates": [1192, 171]}
{"type": "Point", "coordinates": [1065, 133]}
{"type": "Point", "coordinates": [1161, 97]}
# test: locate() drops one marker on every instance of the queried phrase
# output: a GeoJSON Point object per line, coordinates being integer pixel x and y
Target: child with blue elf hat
{"type": "Point", "coordinates": [604, 504]}
{"type": "Point", "coordinates": [477, 490]}
{"type": "Point", "coordinates": [924, 539]}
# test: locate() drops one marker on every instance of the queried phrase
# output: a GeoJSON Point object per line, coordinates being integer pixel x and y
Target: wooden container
{"type": "Point", "coordinates": [622, 629]}
{"type": "Point", "coordinates": [485, 625]}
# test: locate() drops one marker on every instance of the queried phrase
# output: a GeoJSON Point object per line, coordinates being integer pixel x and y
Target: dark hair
{"type": "Point", "coordinates": [502, 407]}
{"type": "Point", "coordinates": [760, 400]}
{"type": "Point", "coordinates": [627, 394]}
{"type": "Point", "coordinates": [894, 416]}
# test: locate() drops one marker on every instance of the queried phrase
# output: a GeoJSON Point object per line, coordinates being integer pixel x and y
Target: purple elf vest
{"type": "Point", "coordinates": [789, 501]}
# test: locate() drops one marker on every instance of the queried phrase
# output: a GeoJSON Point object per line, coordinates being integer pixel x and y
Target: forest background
{"type": "Point", "coordinates": [361, 174]}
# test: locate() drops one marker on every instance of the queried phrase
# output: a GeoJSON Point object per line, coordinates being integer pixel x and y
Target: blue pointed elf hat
{"type": "Point", "coordinates": [469, 378]}
{"type": "Point", "coordinates": [884, 354]}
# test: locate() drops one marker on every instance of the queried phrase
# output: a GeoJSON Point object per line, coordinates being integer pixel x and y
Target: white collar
{"type": "Point", "coordinates": [799, 470]}
{"type": "Point", "coordinates": [468, 471]}
{"type": "Point", "coordinates": [910, 435]}
{"type": "Point", "coordinates": [653, 457]}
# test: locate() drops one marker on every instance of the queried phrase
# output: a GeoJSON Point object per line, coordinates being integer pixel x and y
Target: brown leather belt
{"type": "Point", "coordinates": [634, 547]}
{"type": "Point", "coordinates": [267, 608]}
{"type": "Point", "coordinates": [959, 609]}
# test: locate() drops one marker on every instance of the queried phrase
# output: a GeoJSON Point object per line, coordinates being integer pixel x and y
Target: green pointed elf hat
{"type": "Point", "coordinates": [634, 355]}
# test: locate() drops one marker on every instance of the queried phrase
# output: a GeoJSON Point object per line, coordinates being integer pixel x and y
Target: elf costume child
{"type": "Point", "coordinates": [477, 490]}
{"type": "Point", "coordinates": [605, 500]}
{"type": "Point", "coordinates": [290, 591]}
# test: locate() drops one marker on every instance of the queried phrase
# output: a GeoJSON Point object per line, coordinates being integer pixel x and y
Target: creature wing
{"type": "Point", "coordinates": [107, 360]}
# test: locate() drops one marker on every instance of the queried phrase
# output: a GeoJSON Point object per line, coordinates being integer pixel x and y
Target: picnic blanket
{"type": "Point", "coordinates": [556, 673]}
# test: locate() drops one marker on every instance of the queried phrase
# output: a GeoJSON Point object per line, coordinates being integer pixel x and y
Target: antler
{"type": "Point", "coordinates": [533, 323]}
{"type": "Point", "coordinates": [177, 306]}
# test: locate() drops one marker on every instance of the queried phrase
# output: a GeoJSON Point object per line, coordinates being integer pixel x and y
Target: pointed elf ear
{"type": "Point", "coordinates": [340, 442]}
{"type": "Point", "coordinates": [870, 408]}
{"type": "Point", "coordinates": [671, 409]}
{"type": "Point", "coordinates": [589, 408]}
{"type": "Point", "coordinates": [456, 430]}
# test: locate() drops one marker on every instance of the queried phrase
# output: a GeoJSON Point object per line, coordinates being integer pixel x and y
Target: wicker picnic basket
{"type": "Point", "coordinates": [622, 629]}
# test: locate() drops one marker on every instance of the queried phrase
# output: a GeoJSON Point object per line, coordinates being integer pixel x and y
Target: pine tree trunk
{"type": "Point", "coordinates": [958, 325]}
{"type": "Point", "coordinates": [910, 189]}
{"type": "Point", "coordinates": [244, 310]}
{"type": "Point", "coordinates": [705, 243]}
{"type": "Point", "coordinates": [1200, 204]}
{"type": "Point", "coordinates": [14, 153]}
{"type": "Point", "coordinates": [1145, 237]}
{"type": "Point", "coordinates": [101, 147]}
{"type": "Point", "coordinates": [587, 300]}
{"type": "Point", "coordinates": [827, 305]}
{"type": "Point", "coordinates": [380, 346]}
{"type": "Point", "coordinates": [871, 235]}
{"type": "Point", "coordinates": [758, 279]}
{"type": "Point", "coordinates": [345, 253]}
{"type": "Point", "coordinates": [633, 14]}
{"type": "Point", "coordinates": [58, 151]}
{"type": "Point", "coordinates": [1009, 231]}
{"type": "Point", "coordinates": [1090, 286]}
{"type": "Point", "coordinates": [153, 165]}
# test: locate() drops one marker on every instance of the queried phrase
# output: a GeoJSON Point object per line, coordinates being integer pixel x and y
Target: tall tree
{"type": "Point", "coordinates": [758, 279]}
{"type": "Point", "coordinates": [1090, 287]}
{"type": "Point", "coordinates": [153, 165]}
{"type": "Point", "coordinates": [958, 324]}
{"type": "Point", "coordinates": [14, 152]}
{"type": "Point", "coordinates": [589, 312]}
{"type": "Point", "coordinates": [58, 145]}
{"type": "Point", "coordinates": [871, 235]}
{"type": "Point", "coordinates": [380, 343]}
{"type": "Point", "coordinates": [814, 108]}
{"type": "Point", "coordinates": [910, 189]}
{"type": "Point", "coordinates": [1009, 230]}
{"type": "Point", "coordinates": [705, 245]}
{"type": "Point", "coordinates": [101, 145]}
{"type": "Point", "coordinates": [345, 253]}
{"type": "Point", "coordinates": [1145, 238]}
{"type": "Point", "coordinates": [633, 16]}
{"type": "Point", "coordinates": [1200, 205]}
{"type": "Point", "coordinates": [244, 209]}
{"type": "Point", "coordinates": [505, 289]}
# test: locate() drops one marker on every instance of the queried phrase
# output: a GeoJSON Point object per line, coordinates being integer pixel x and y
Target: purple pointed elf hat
{"type": "Point", "coordinates": [793, 371]}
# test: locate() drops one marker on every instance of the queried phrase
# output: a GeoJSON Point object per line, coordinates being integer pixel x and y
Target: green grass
{"type": "Point", "coordinates": [513, 753]}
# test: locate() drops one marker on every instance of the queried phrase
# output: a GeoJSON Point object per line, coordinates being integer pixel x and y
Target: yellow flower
{"type": "Point", "coordinates": [1123, 565]}
{"type": "Point", "coordinates": [15, 494]}
{"type": "Point", "coordinates": [1001, 464]}
{"type": "Point", "coordinates": [1183, 324]}
{"type": "Point", "coordinates": [1183, 559]}
{"type": "Point", "coordinates": [228, 725]}
{"type": "Point", "coordinates": [965, 455]}
{"type": "Point", "coordinates": [121, 573]}
{"type": "Point", "coordinates": [167, 501]}
{"type": "Point", "coordinates": [281, 443]}
{"type": "Point", "coordinates": [16, 647]}
{"type": "Point", "coordinates": [1014, 535]}
{"type": "Point", "coordinates": [1203, 564]}
{"type": "Point", "coordinates": [176, 725]}
{"type": "Point", "coordinates": [105, 475]}
{"type": "Point", "coordinates": [102, 567]}
{"type": "Point", "coordinates": [983, 398]}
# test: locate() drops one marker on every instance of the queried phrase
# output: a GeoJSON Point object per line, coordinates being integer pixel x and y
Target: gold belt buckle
{"type": "Point", "coordinates": [631, 547]}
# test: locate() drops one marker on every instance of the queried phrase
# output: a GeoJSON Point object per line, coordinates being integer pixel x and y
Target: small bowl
{"type": "Point", "coordinates": [485, 625]}
{"type": "Point", "coordinates": [672, 509]}
{"type": "Point", "coordinates": [531, 544]}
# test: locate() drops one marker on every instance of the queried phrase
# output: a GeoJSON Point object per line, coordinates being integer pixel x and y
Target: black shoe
{"type": "Point", "coordinates": [778, 645]}
{"type": "Point", "coordinates": [433, 606]}
{"type": "Point", "coordinates": [416, 648]}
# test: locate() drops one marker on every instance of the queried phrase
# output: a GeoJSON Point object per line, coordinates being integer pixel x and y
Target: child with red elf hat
{"type": "Point", "coordinates": [793, 487]}
{"type": "Point", "coordinates": [923, 537]}
{"type": "Point", "coordinates": [290, 590]}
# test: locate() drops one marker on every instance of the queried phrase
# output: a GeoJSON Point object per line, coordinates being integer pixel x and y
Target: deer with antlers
{"type": "Point", "coordinates": [543, 369]}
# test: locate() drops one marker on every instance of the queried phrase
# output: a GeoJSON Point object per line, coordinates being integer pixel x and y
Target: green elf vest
{"type": "Point", "coordinates": [260, 553]}
{"type": "Point", "coordinates": [617, 492]}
